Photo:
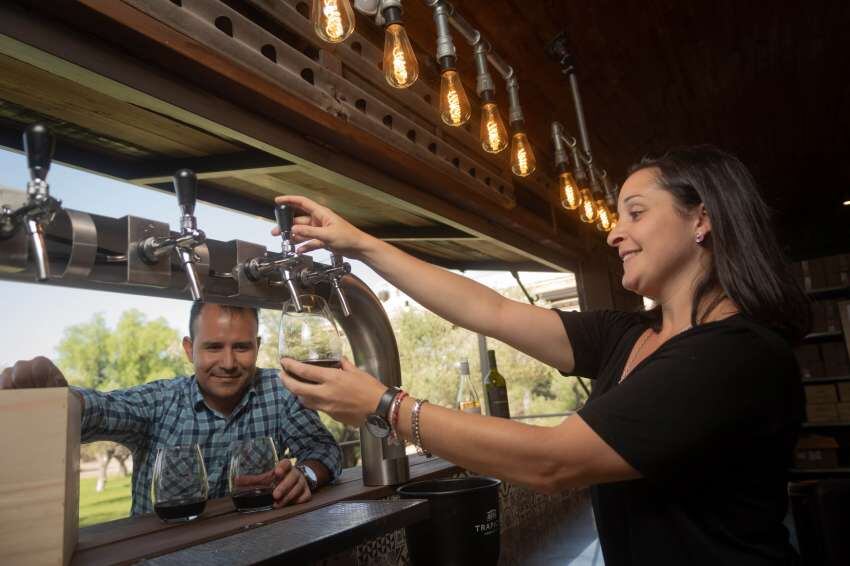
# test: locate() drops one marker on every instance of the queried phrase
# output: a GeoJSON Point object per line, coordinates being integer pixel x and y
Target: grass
{"type": "Point", "coordinates": [110, 504]}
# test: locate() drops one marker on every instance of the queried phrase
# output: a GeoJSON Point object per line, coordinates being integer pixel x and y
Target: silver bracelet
{"type": "Point", "coordinates": [417, 429]}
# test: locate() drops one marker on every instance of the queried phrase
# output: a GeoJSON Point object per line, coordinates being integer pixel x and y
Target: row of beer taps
{"type": "Point", "coordinates": [287, 268]}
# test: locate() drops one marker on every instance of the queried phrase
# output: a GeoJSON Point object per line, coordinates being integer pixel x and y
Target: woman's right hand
{"type": "Point", "coordinates": [323, 228]}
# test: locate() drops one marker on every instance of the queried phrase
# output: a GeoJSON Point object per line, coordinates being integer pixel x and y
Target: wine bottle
{"type": "Point", "coordinates": [467, 398]}
{"type": "Point", "coordinates": [497, 390]}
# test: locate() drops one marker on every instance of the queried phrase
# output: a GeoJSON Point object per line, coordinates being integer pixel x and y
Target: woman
{"type": "Point", "coordinates": [695, 406]}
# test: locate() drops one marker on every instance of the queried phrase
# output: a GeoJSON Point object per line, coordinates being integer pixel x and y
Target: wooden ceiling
{"type": "Point", "coordinates": [767, 81]}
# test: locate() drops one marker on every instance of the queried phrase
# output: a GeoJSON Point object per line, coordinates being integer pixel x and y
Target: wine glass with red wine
{"type": "Point", "coordinates": [310, 336]}
{"type": "Point", "coordinates": [251, 476]}
{"type": "Point", "coordinates": [179, 488]}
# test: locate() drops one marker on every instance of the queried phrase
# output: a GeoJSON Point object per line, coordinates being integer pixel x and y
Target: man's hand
{"type": "Point", "coordinates": [37, 372]}
{"type": "Point", "coordinates": [291, 487]}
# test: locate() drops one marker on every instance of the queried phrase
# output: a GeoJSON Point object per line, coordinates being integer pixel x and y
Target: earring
{"type": "Point", "coordinates": [700, 237]}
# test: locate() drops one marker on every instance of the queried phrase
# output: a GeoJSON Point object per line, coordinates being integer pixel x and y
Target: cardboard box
{"type": "Point", "coordinates": [814, 274]}
{"type": "Point", "coordinates": [835, 359]}
{"type": "Point", "coordinates": [821, 394]}
{"type": "Point", "coordinates": [39, 476]}
{"type": "Point", "coordinates": [838, 270]}
{"type": "Point", "coordinates": [843, 412]}
{"type": "Point", "coordinates": [816, 452]}
{"type": "Point", "coordinates": [832, 318]}
{"type": "Point", "coordinates": [809, 360]}
{"type": "Point", "coordinates": [844, 392]}
{"type": "Point", "coordinates": [818, 317]}
{"type": "Point", "coordinates": [821, 412]}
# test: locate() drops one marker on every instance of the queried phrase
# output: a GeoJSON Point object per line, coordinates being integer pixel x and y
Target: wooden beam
{"type": "Point", "coordinates": [429, 234]}
{"type": "Point", "coordinates": [240, 164]}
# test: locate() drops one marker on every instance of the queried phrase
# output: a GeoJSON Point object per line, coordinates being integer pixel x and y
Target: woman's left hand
{"type": "Point", "coordinates": [348, 394]}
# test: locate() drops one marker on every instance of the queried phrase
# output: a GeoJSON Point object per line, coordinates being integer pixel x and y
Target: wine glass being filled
{"type": "Point", "coordinates": [311, 335]}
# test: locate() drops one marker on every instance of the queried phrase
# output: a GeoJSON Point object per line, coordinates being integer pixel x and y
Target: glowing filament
{"type": "Point", "coordinates": [399, 65]}
{"type": "Point", "coordinates": [333, 20]}
{"type": "Point", "coordinates": [570, 194]}
{"type": "Point", "coordinates": [454, 106]}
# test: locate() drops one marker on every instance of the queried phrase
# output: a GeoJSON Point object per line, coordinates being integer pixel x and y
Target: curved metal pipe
{"type": "Point", "coordinates": [373, 343]}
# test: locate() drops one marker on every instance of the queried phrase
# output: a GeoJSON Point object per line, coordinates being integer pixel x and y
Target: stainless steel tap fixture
{"type": "Point", "coordinates": [39, 208]}
{"type": "Point", "coordinates": [190, 237]}
{"type": "Point", "coordinates": [287, 264]}
{"type": "Point", "coordinates": [333, 275]}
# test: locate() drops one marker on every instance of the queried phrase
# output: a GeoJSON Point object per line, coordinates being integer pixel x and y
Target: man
{"type": "Point", "coordinates": [227, 399]}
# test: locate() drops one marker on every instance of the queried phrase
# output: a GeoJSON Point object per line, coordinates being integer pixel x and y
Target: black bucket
{"type": "Point", "coordinates": [464, 525]}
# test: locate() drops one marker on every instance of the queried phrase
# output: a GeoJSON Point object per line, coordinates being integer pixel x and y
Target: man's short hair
{"type": "Point", "coordinates": [198, 306]}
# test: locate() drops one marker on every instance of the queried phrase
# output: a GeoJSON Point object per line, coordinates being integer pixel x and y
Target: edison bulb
{"type": "Point", "coordinates": [588, 212]}
{"type": "Point", "coordinates": [603, 223]}
{"type": "Point", "coordinates": [401, 68]}
{"type": "Point", "coordinates": [454, 104]}
{"type": "Point", "coordinates": [333, 20]}
{"type": "Point", "coordinates": [494, 136]}
{"type": "Point", "coordinates": [614, 219]}
{"type": "Point", "coordinates": [523, 162]}
{"type": "Point", "coordinates": [570, 193]}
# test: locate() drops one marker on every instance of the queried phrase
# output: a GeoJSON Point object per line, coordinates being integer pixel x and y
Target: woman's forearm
{"type": "Point", "coordinates": [457, 299]}
{"type": "Point", "coordinates": [519, 453]}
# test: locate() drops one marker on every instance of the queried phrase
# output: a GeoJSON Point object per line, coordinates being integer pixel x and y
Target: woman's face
{"type": "Point", "coordinates": [654, 239]}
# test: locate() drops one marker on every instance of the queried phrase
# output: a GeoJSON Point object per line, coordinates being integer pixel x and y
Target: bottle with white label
{"type": "Point", "coordinates": [496, 390]}
{"type": "Point", "coordinates": [467, 398]}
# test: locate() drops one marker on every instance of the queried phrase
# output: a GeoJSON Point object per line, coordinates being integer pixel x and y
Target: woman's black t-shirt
{"type": "Point", "coordinates": [709, 420]}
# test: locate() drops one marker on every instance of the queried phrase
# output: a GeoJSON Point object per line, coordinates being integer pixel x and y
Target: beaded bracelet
{"type": "Point", "coordinates": [395, 408]}
{"type": "Point", "coordinates": [417, 430]}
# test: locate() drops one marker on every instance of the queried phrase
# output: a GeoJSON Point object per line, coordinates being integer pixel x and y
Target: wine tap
{"type": "Point", "coordinates": [190, 237]}
{"type": "Point", "coordinates": [40, 207]}
{"type": "Point", "coordinates": [333, 274]}
{"type": "Point", "coordinates": [286, 263]}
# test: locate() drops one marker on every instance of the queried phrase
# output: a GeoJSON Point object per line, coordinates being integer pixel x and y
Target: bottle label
{"type": "Point", "coordinates": [470, 407]}
{"type": "Point", "coordinates": [498, 397]}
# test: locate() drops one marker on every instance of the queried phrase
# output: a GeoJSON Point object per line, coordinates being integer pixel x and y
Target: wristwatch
{"type": "Point", "coordinates": [309, 475]}
{"type": "Point", "coordinates": [378, 423]}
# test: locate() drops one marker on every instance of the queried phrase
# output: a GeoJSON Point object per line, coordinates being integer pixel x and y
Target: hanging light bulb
{"type": "Point", "coordinates": [523, 162]}
{"type": "Point", "coordinates": [494, 136]}
{"type": "Point", "coordinates": [570, 192]}
{"type": "Point", "coordinates": [588, 212]}
{"type": "Point", "coordinates": [333, 20]}
{"type": "Point", "coordinates": [614, 219]}
{"type": "Point", "coordinates": [455, 109]}
{"type": "Point", "coordinates": [603, 223]}
{"type": "Point", "coordinates": [401, 69]}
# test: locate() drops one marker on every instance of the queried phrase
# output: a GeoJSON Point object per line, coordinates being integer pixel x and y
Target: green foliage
{"type": "Point", "coordinates": [136, 351]}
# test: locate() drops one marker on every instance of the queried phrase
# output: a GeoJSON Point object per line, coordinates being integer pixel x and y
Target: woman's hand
{"type": "Point", "coordinates": [348, 394]}
{"type": "Point", "coordinates": [322, 228]}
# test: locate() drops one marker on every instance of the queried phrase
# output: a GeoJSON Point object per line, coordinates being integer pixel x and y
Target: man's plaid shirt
{"type": "Point", "coordinates": [172, 412]}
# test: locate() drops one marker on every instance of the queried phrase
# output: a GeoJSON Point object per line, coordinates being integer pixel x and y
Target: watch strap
{"type": "Point", "coordinates": [386, 402]}
{"type": "Point", "coordinates": [309, 475]}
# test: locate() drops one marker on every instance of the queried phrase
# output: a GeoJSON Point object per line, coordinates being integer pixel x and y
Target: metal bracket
{"type": "Point", "coordinates": [155, 274]}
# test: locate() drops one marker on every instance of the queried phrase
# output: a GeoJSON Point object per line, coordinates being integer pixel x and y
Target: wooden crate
{"type": "Point", "coordinates": [40, 476]}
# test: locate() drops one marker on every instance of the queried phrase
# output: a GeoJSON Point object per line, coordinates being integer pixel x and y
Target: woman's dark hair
{"type": "Point", "coordinates": [747, 262]}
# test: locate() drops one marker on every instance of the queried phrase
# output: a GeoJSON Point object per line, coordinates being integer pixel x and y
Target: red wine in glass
{"type": "Point", "coordinates": [255, 499]}
{"type": "Point", "coordinates": [180, 509]}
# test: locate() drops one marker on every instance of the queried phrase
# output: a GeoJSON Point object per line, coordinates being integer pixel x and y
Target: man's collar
{"type": "Point", "coordinates": [199, 403]}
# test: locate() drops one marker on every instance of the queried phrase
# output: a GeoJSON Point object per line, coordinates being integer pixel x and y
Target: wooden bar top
{"type": "Point", "coordinates": [129, 540]}
{"type": "Point", "coordinates": [309, 537]}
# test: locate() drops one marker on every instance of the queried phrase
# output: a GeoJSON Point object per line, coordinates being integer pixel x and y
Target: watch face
{"type": "Point", "coordinates": [377, 426]}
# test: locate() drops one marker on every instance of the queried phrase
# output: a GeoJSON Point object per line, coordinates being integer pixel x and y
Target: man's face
{"type": "Point", "coordinates": [224, 354]}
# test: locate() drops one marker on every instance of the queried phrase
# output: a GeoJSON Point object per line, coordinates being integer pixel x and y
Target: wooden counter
{"type": "Point", "coordinates": [137, 538]}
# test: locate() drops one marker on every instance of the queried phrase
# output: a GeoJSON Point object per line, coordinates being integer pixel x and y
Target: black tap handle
{"type": "Point", "coordinates": [38, 145]}
{"type": "Point", "coordinates": [186, 188]}
{"type": "Point", "coordinates": [284, 215]}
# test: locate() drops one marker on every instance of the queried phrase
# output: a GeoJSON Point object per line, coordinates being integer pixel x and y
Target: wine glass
{"type": "Point", "coordinates": [251, 477]}
{"type": "Point", "coordinates": [310, 336]}
{"type": "Point", "coordinates": [179, 488]}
